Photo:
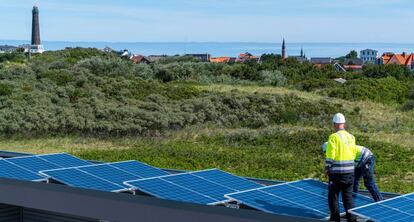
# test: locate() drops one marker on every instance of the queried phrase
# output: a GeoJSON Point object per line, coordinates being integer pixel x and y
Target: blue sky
{"type": "Point", "coordinates": [387, 21]}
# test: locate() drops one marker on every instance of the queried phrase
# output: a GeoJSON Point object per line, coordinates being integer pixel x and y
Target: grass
{"type": "Point", "coordinates": [282, 152]}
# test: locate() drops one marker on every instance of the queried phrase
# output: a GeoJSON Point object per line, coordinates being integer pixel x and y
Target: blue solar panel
{"type": "Point", "coordinates": [191, 182]}
{"type": "Point", "coordinates": [77, 178]}
{"type": "Point", "coordinates": [306, 198]}
{"type": "Point", "coordinates": [33, 163]}
{"type": "Point", "coordinates": [140, 170]}
{"type": "Point", "coordinates": [396, 209]}
{"type": "Point", "coordinates": [227, 179]}
{"type": "Point", "coordinates": [27, 168]}
{"type": "Point", "coordinates": [64, 160]}
{"type": "Point", "coordinates": [166, 190]}
{"type": "Point", "coordinates": [12, 171]}
{"type": "Point", "coordinates": [266, 202]}
{"type": "Point", "coordinates": [213, 184]}
{"type": "Point", "coordinates": [107, 172]}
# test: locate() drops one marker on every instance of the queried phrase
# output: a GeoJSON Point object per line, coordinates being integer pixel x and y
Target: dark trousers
{"type": "Point", "coordinates": [366, 171]}
{"type": "Point", "coordinates": [341, 183]}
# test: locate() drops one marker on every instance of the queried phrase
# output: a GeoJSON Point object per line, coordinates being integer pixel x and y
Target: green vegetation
{"type": "Point", "coordinates": [264, 120]}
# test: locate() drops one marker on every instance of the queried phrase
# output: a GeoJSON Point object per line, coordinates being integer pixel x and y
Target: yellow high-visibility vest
{"type": "Point", "coordinates": [341, 153]}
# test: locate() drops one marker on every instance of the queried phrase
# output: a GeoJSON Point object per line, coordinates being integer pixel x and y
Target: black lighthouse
{"type": "Point", "coordinates": [36, 45]}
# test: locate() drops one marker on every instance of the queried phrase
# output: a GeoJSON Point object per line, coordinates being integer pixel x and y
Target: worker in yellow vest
{"type": "Point", "coordinates": [340, 167]}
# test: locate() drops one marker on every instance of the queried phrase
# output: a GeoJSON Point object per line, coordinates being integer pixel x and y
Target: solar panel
{"type": "Point", "coordinates": [166, 190]}
{"type": "Point", "coordinates": [396, 209]}
{"type": "Point", "coordinates": [227, 179]}
{"type": "Point", "coordinates": [33, 163]}
{"type": "Point", "coordinates": [77, 178]}
{"type": "Point", "coordinates": [108, 173]}
{"type": "Point", "coordinates": [203, 187]}
{"type": "Point", "coordinates": [64, 160]}
{"type": "Point", "coordinates": [139, 169]}
{"type": "Point", "coordinates": [305, 198]}
{"type": "Point", "coordinates": [13, 171]}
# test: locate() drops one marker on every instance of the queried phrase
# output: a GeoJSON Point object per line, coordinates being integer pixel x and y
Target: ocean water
{"type": "Point", "coordinates": [229, 48]}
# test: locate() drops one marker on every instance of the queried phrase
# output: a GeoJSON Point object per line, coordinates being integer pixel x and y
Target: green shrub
{"type": "Point", "coordinates": [107, 66]}
{"type": "Point", "coordinates": [317, 84]}
{"type": "Point", "coordinates": [381, 71]}
{"type": "Point", "coordinates": [274, 78]}
{"type": "Point", "coordinates": [409, 105]}
{"type": "Point", "coordinates": [387, 90]}
{"type": "Point", "coordinates": [12, 57]}
{"type": "Point", "coordinates": [6, 89]}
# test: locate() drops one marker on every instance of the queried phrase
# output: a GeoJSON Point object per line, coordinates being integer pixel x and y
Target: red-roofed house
{"type": "Point", "coordinates": [399, 59]}
{"type": "Point", "coordinates": [220, 60]}
{"type": "Point", "coordinates": [244, 57]}
{"type": "Point", "coordinates": [137, 59]}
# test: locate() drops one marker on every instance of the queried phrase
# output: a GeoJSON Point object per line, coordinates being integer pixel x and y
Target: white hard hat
{"type": "Point", "coordinates": [324, 146]}
{"type": "Point", "coordinates": [339, 118]}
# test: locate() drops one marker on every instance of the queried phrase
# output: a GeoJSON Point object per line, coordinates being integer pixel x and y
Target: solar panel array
{"type": "Point", "coordinates": [392, 210]}
{"type": "Point", "coordinates": [306, 198]}
{"type": "Point", "coordinates": [104, 177]}
{"type": "Point", "coordinates": [202, 187]}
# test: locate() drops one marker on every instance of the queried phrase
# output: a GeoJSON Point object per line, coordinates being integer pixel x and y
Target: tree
{"type": "Point", "coordinates": [352, 55]}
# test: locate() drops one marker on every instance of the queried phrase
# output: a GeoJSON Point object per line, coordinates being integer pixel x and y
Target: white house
{"type": "Point", "coordinates": [368, 56]}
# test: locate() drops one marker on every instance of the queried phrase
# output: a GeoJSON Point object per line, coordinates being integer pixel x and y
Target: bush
{"type": "Point", "coordinates": [12, 57]}
{"type": "Point", "coordinates": [317, 84]}
{"type": "Point", "coordinates": [144, 71]}
{"type": "Point", "coordinates": [6, 89]}
{"type": "Point", "coordinates": [107, 66]}
{"type": "Point", "coordinates": [409, 105]}
{"type": "Point", "coordinates": [381, 71]}
{"type": "Point", "coordinates": [384, 90]}
{"type": "Point", "coordinates": [274, 78]}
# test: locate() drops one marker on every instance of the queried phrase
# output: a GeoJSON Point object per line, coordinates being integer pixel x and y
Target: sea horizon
{"type": "Point", "coordinates": [233, 49]}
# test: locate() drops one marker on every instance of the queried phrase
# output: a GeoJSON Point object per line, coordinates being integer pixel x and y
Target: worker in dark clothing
{"type": "Point", "coordinates": [340, 167]}
{"type": "Point", "coordinates": [365, 163]}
